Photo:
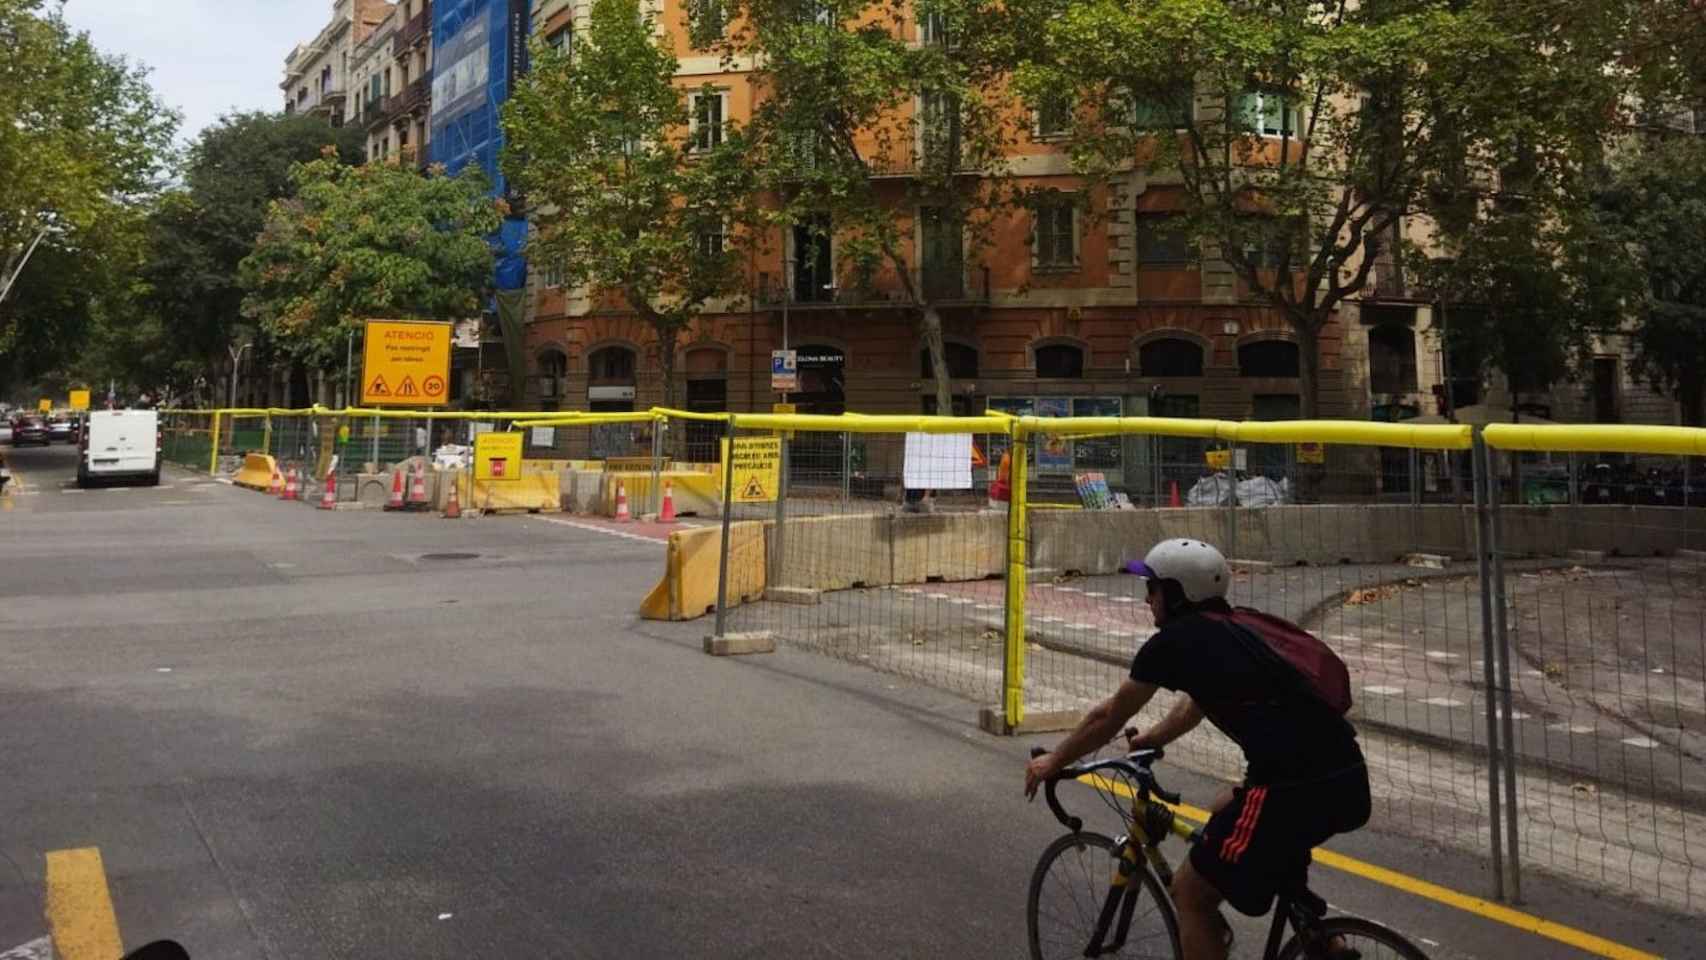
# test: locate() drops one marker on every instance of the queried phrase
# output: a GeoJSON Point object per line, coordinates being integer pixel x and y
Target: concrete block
{"type": "Point", "coordinates": [993, 721]}
{"type": "Point", "coordinates": [1587, 556]}
{"type": "Point", "coordinates": [1432, 561]}
{"type": "Point", "coordinates": [1686, 554]}
{"type": "Point", "coordinates": [947, 546]}
{"type": "Point", "coordinates": [803, 596]}
{"type": "Point", "coordinates": [740, 644]}
{"type": "Point", "coordinates": [835, 552]}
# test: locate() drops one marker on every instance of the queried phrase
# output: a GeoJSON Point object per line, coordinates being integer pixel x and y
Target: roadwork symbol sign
{"type": "Point", "coordinates": [757, 465]}
{"type": "Point", "coordinates": [406, 363]}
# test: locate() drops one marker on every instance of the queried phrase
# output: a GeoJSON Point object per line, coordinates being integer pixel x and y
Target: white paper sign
{"type": "Point", "coordinates": [544, 437]}
{"type": "Point", "coordinates": [937, 461]}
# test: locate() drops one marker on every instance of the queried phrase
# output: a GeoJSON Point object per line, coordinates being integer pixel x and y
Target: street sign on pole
{"type": "Point", "coordinates": [784, 371]}
{"type": "Point", "coordinates": [405, 363]}
{"type": "Point", "coordinates": [79, 399]}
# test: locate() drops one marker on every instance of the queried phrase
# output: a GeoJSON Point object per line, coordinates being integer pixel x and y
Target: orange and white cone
{"type": "Point", "coordinates": [622, 515]}
{"type": "Point", "coordinates": [453, 503]}
{"type": "Point", "coordinates": [396, 501]}
{"type": "Point", "coordinates": [417, 489]}
{"type": "Point", "coordinates": [329, 495]}
{"type": "Point", "coordinates": [666, 513]}
{"type": "Point", "coordinates": [276, 485]}
{"type": "Point", "coordinates": [290, 488]}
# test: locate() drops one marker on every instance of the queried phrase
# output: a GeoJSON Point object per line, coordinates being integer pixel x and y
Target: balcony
{"type": "Point", "coordinates": [416, 31]}
{"type": "Point", "coordinates": [944, 290]}
{"type": "Point", "coordinates": [416, 96]}
{"type": "Point", "coordinates": [379, 112]}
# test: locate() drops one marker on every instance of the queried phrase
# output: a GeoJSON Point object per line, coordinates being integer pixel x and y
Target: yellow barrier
{"type": "Point", "coordinates": [257, 472]}
{"type": "Point", "coordinates": [1597, 438]}
{"type": "Point", "coordinates": [1418, 436]}
{"type": "Point", "coordinates": [694, 492]}
{"type": "Point", "coordinates": [689, 586]}
{"type": "Point", "coordinates": [532, 492]}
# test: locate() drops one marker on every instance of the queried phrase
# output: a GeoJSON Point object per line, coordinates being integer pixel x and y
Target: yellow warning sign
{"type": "Point", "coordinates": [1311, 453]}
{"type": "Point", "coordinates": [405, 363]}
{"type": "Point", "coordinates": [497, 456]}
{"type": "Point", "coordinates": [757, 466]}
{"type": "Point", "coordinates": [79, 399]}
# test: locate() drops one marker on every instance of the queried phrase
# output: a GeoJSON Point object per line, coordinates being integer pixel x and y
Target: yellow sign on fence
{"type": "Point", "coordinates": [44, 405]}
{"type": "Point", "coordinates": [1311, 453]}
{"type": "Point", "coordinates": [497, 456]}
{"type": "Point", "coordinates": [757, 466]}
{"type": "Point", "coordinates": [405, 364]}
{"type": "Point", "coordinates": [79, 399]}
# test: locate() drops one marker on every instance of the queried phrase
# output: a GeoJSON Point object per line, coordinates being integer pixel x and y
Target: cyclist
{"type": "Point", "coordinates": [1304, 778]}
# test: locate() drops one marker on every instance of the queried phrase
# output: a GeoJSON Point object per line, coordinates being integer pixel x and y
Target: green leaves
{"type": "Point", "coordinates": [362, 242]}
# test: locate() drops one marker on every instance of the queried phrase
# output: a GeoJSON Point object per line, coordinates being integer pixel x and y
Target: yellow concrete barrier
{"type": "Point", "coordinates": [689, 586]}
{"type": "Point", "coordinates": [533, 491]}
{"type": "Point", "coordinates": [696, 493]}
{"type": "Point", "coordinates": [256, 472]}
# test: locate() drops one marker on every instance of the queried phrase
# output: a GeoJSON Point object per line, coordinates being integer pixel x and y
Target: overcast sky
{"type": "Point", "coordinates": [208, 56]}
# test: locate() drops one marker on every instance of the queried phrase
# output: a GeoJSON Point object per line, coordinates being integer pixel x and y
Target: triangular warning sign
{"type": "Point", "coordinates": [378, 388]}
{"type": "Point", "coordinates": [407, 387]}
{"type": "Point", "coordinates": [754, 490]}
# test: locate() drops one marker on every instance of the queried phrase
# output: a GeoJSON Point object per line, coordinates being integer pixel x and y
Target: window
{"type": "Point", "coordinates": [933, 28]}
{"type": "Point", "coordinates": [1165, 110]}
{"type": "Point", "coordinates": [561, 39]}
{"type": "Point", "coordinates": [1605, 389]}
{"type": "Point", "coordinates": [387, 76]}
{"type": "Point", "coordinates": [1053, 117]}
{"type": "Point", "coordinates": [553, 368]}
{"type": "Point", "coordinates": [1055, 229]}
{"type": "Point", "coordinates": [1169, 357]}
{"type": "Point", "coordinates": [1269, 114]}
{"type": "Point", "coordinates": [611, 365]}
{"type": "Point", "coordinates": [1391, 359]}
{"type": "Point", "coordinates": [403, 74]}
{"type": "Point", "coordinates": [939, 121]}
{"type": "Point", "coordinates": [706, 22]}
{"type": "Point", "coordinates": [943, 262]}
{"type": "Point", "coordinates": [1268, 358]}
{"type": "Point", "coordinates": [1162, 240]}
{"type": "Point", "coordinates": [813, 265]}
{"type": "Point", "coordinates": [551, 273]}
{"type": "Point", "coordinates": [708, 119]}
{"type": "Point", "coordinates": [1060, 361]}
{"type": "Point", "coordinates": [384, 147]}
{"type": "Point", "coordinates": [961, 360]}
{"type": "Point", "coordinates": [373, 93]}
{"type": "Point", "coordinates": [326, 79]}
{"type": "Point", "coordinates": [712, 241]}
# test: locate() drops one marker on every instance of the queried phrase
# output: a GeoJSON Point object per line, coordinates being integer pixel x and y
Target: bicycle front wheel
{"type": "Point", "coordinates": [1339, 936]}
{"type": "Point", "coordinates": [1071, 886]}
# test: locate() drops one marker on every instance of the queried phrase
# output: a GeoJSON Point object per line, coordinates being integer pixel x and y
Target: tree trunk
{"type": "Point", "coordinates": [1308, 370]}
{"type": "Point", "coordinates": [932, 323]}
{"type": "Point", "coordinates": [666, 361]}
{"type": "Point", "coordinates": [1692, 398]}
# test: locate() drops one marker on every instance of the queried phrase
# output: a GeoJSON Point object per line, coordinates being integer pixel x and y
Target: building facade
{"type": "Point", "coordinates": [393, 84]}
{"type": "Point", "coordinates": [318, 73]}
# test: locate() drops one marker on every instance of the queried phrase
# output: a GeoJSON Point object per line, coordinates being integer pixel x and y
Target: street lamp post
{"type": "Point", "coordinates": [236, 363]}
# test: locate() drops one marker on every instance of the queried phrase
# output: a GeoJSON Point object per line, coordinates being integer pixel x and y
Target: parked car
{"type": "Point", "coordinates": [59, 429]}
{"type": "Point", "coordinates": [29, 430]}
{"type": "Point", "coordinates": [5, 431]}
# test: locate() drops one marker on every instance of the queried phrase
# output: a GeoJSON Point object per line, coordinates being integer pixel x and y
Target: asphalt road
{"type": "Point", "coordinates": [295, 734]}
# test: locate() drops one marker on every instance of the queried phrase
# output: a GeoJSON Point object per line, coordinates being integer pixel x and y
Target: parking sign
{"type": "Point", "coordinates": [784, 371]}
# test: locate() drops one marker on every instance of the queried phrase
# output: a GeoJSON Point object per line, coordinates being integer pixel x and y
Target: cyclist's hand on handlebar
{"type": "Point", "coordinates": [1040, 770]}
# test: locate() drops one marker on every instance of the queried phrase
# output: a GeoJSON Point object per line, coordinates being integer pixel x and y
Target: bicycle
{"type": "Point", "coordinates": [1142, 873]}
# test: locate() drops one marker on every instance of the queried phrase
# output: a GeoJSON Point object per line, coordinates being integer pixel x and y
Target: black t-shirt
{"type": "Point", "coordinates": [1286, 735]}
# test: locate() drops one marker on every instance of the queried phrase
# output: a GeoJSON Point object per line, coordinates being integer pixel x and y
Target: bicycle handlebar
{"type": "Point", "coordinates": [1135, 765]}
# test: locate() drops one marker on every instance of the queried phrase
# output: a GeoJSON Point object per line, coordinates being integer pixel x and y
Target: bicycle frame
{"type": "Point", "coordinates": [1155, 822]}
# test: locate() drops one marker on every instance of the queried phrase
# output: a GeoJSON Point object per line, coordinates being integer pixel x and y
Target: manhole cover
{"type": "Point", "coordinates": [450, 556]}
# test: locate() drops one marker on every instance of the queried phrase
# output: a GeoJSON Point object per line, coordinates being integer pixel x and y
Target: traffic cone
{"type": "Point", "coordinates": [453, 505]}
{"type": "Point", "coordinates": [290, 489]}
{"type": "Point", "coordinates": [1173, 494]}
{"type": "Point", "coordinates": [417, 489]}
{"type": "Point", "coordinates": [667, 513]}
{"type": "Point", "coordinates": [329, 495]}
{"type": "Point", "coordinates": [622, 515]}
{"type": "Point", "coordinates": [276, 485]}
{"type": "Point", "coordinates": [396, 501]}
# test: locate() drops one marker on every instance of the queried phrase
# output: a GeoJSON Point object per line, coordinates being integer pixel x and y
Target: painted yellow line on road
{"type": "Point", "coordinates": [1498, 913]}
{"type": "Point", "coordinates": [79, 910]}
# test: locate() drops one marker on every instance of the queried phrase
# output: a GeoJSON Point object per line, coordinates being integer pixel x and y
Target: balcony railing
{"type": "Point", "coordinates": [942, 289]}
{"type": "Point", "coordinates": [416, 95]}
{"type": "Point", "coordinates": [414, 31]}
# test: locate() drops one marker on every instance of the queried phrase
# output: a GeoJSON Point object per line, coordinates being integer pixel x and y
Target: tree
{"type": "Point", "coordinates": [82, 143]}
{"type": "Point", "coordinates": [835, 137]}
{"type": "Point", "coordinates": [359, 242]}
{"type": "Point", "coordinates": [626, 193]}
{"type": "Point", "coordinates": [1298, 135]}
{"type": "Point", "coordinates": [1655, 202]}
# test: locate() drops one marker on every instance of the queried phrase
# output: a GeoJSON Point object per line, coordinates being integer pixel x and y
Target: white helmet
{"type": "Point", "coordinates": [1198, 567]}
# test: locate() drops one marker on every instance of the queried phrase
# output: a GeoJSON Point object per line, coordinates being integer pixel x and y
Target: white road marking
{"type": "Point", "coordinates": [1442, 702]}
{"type": "Point", "coordinates": [1645, 743]}
{"type": "Point", "coordinates": [1441, 655]}
{"type": "Point", "coordinates": [1576, 728]}
{"type": "Point", "coordinates": [1089, 594]}
{"type": "Point", "coordinates": [1515, 714]}
{"type": "Point", "coordinates": [936, 596]}
{"type": "Point", "coordinates": [1390, 646]}
{"type": "Point", "coordinates": [1125, 599]}
{"type": "Point", "coordinates": [1069, 590]}
{"type": "Point", "coordinates": [38, 949]}
{"type": "Point", "coordinates": [961, 601]}
{"type": "Point", "coordinates": [594, 528]}
{"type": "Point", "coordinates": [1383, 691]}
{"type": "Point", "coordinates": [1081, 626]}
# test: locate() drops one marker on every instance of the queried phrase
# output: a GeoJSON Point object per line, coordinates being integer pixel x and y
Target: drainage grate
{"type": "Point", "coordinates": [450, 556]}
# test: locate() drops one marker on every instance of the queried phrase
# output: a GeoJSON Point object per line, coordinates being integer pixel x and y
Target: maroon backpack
{"type": "Point", "coordinates": [1317, 670]}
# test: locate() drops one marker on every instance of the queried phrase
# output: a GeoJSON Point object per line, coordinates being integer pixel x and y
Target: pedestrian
{"type": "Point", "coordinates": [421, 439]}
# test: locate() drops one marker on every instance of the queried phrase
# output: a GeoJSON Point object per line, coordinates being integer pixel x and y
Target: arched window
{"type": "Point", "coordinates": [1391, 359]}
{"type": "Point", "coordinates": [611, 365]}
{"type": "Point", "coordinates": [1268, 358]}
{"type": "Point", "coordinates": [553, 367]}
{"type": "Point", "coordinates": [962, 362]}
{"type": "Point", "coordinates": [1060, 361]}
{"type": "Point", "coordinates": [1170, 357]}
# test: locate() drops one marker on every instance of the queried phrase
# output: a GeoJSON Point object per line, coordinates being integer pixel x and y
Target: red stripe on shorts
{"type": "Point", "coordinates": [1234, 846]}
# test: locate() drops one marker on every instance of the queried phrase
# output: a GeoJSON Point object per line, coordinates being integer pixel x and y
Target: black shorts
{"type": "Point", "coordinates": [1259, 844]}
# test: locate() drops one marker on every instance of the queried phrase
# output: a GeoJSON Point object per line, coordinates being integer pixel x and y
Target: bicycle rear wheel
{"type": "Point", "coordinates": [1068, 890]}
{"type": "Point", "coordinates": [1358, 938]}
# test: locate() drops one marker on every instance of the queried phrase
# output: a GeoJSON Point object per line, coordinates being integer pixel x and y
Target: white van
{"type": "Point", "coordinates": [120, 445]}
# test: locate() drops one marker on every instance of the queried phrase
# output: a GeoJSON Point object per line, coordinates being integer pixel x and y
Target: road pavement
{"type": "Point", "coordinates": [305, 734]}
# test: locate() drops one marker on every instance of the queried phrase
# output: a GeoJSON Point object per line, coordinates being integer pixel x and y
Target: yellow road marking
{"type": "Point", "coordinates": [1527, 922]}
{"type": "Point", "coordinates": [79, 909]}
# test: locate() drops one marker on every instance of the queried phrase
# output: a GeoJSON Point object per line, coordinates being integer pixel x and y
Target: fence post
{"type": "Point", "coordinates": [1013, 663]}
{"type": "Point", "coordinates": [775, 574]}
{"type": "Point", "coordinates": [1489, 660]}
{"type": "Point", "coordinates": [728, 510]}
{"type": "Point", "coordinates": [376, 464]}
{"type": "Point", "coordinates": [1232, 503]}
{"type": "Point", "coordinates": [1501, 634]}
{"type": "Point", "coordinates": [846, 466]}
{"type": "Point", "coordinates": [213, 456]}
{"type": "Point", "coordinates": [657, 468]}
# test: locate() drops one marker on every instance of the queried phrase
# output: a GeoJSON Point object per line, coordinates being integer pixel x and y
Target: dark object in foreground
{"type": "Point", "coordinates": [159, 950]}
